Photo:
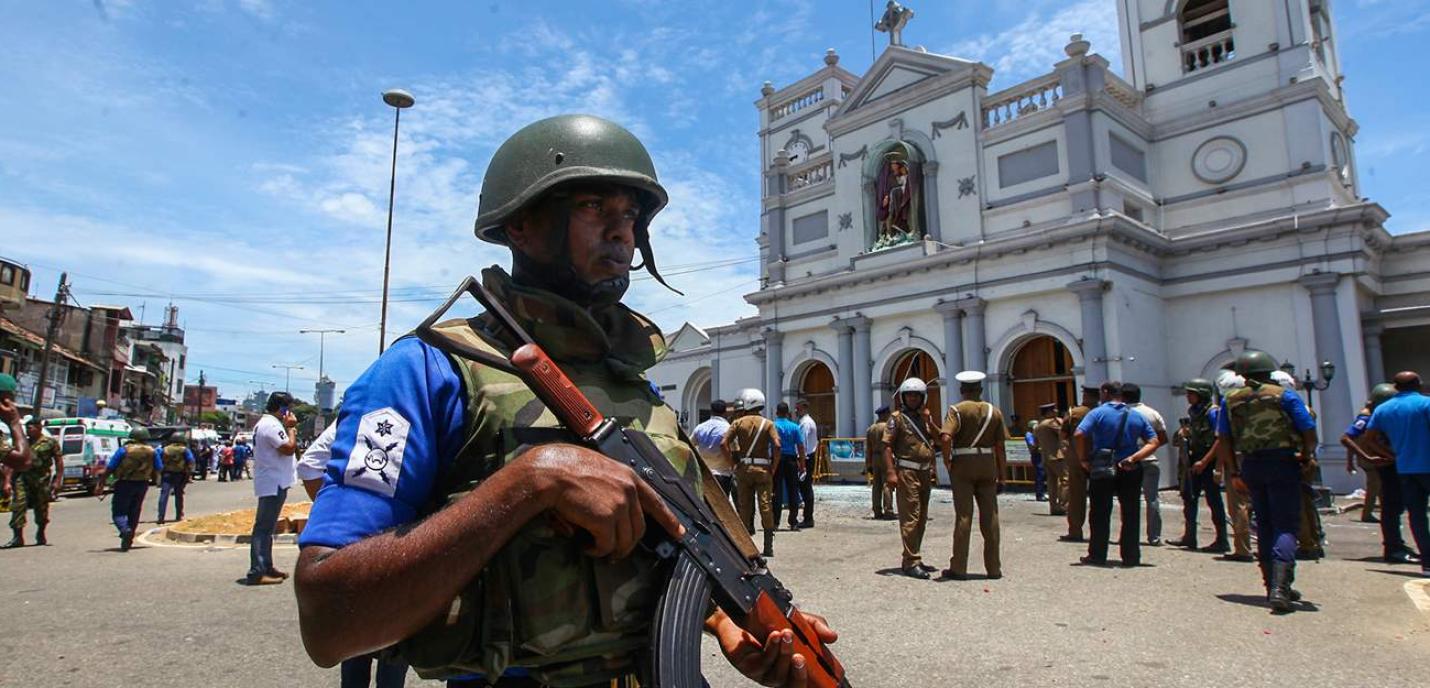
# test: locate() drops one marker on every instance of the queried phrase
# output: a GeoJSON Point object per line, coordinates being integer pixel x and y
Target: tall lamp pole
{"type": "Point", "coordinates": [287, 375]}
{"type": "Point", "coordinates": [399, 100]}
{"type": "Point", "coordinates": [321, 335]}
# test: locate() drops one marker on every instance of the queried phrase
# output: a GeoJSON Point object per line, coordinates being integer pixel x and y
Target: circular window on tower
{"type": "Point", "coordinates": [1339, 159]}
{"type": "Point", "coordinates": [1219, 160]}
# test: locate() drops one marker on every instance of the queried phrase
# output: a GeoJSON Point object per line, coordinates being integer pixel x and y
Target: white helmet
{"type": "Point", "coordinates": [750, 399]}
{"type": "Point", "coordinates": [914, 385]}
{"type": "Point", "coordinates": [1283, 379]}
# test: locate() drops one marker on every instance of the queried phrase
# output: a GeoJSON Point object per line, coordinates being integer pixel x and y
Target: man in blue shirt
{"type": "Point", "coordinates": [1403, 424]}
{"type": "Point", "coordinates": [1115, 428]}
{"type": "Point", "coordinates": [708, 436]}
{"type": "Point", "coordinates": [242, 452]}
{"type": "Point", "coordinates": [134, 466]}
{"type": "Point", "coordinates": [791, 465]}
{"type": "Point", "coordinates": [1270, 430]}
{"type": "Point", "coordinates": [1379, 464]}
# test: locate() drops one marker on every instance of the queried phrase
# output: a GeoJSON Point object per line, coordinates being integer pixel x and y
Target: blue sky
{"type": "Point", "coordinates": [232, 155]}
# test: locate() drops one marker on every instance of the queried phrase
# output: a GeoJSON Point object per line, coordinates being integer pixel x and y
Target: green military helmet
{"type": "Point", "coordinates": [556, 150]}
{"type": "Point", "coordinates": [1255, 363]}
{"type": "Point", "coordinates": [1380, 394]}
{"type": "Point", "coordinates": [139, 434]}
{"type": "Point", "coordinates": [7, 383]}
{"type": "Point", "coordinates": [1201, 386]}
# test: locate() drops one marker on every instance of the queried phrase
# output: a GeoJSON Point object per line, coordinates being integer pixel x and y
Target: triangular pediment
{"type": "Point", "coordinates": [686, 338]}
{"type": "Point", "coordinates": [898, 70]}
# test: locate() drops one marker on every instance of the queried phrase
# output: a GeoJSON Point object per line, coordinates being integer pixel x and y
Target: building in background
{"type": "Point", "coordinates": [1077, 227]}
{"type": "Point", "coordinates": [323, 393]}
{"type": "Point", "coordinates": [200, 399]}
{"type": "Point", "coordinates": [169, 338]}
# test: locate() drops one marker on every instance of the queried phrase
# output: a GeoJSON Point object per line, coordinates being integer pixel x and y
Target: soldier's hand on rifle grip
{"type": "Point", "coordinates": [604, 498]}
{"type": "Point", "coordinates": [772, 662]}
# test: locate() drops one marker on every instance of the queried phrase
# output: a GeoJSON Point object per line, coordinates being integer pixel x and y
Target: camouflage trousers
{"type": "Point", "coordinates": [29, 491]}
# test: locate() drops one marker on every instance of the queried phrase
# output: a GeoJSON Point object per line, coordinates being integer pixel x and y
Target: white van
{"type": "Point", "coordinates": [86, 444]}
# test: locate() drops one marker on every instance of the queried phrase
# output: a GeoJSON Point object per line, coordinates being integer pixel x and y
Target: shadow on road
{"type": "Point", "coordinates": [1408, 573]}
{"type": "Point", "coordinates": [1260, 601]}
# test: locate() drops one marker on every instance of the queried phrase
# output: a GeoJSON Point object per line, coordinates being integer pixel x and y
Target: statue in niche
{"type": "Point", "coordinates": [896, 190]}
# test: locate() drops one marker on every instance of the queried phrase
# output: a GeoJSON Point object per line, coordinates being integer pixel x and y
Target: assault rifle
{"type": "Point", "coordinates": [708, 562]}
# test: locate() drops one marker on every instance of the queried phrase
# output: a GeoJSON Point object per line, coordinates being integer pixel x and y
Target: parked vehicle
{"type": "Point", "coordinates": [86, 444]}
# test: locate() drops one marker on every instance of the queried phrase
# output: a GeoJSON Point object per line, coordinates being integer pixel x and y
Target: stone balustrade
{"type": "Point", "coordinates": [1026, 98]}
{"type": "Point", "coordinates": [1121, 91]}
{"type": "Point", "coordinates": [812, 174]}
{"type": "Point", "coordinates": [794, 105]}
{"type": "Point", "coordinates": [1208, 52]}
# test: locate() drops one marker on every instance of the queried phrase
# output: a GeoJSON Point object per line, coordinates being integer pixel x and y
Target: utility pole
{"type": "Point", "coordinates": [321, 335]}
{"type": "Point", "coordinates": [198, 400]}
{"type": "Point", "coordinates": [57, 315]}
{"type": "Point", "coordinates": [287, 375]}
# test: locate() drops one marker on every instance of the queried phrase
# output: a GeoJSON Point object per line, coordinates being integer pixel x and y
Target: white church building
{"type": "Point", "coordinates": [1074, 228]}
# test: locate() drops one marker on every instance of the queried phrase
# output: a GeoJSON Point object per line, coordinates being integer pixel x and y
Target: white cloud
{"type": "Point", "coordinates": [1032, 46]}
{"type": "Point", "coordinates": [262, 9]}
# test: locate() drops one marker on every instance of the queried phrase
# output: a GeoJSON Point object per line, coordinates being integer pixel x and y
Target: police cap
{"type": "Point", "coordinates": [971, 378]}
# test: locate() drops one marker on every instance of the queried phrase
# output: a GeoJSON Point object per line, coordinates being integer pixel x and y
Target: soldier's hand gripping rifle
{"type": "Point", "coordinates": [709, 563]}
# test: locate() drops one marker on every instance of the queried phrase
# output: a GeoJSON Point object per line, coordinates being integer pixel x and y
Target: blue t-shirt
{"type": "Point", "coordinates": [241, 453]}
{"type": "Point", "coordinates": [1405, 421]}
{"type": "Point", "coordinates": [1357, 427]}
{"type": "Point", "coordinates": [401, 423]}
{"type": "Point", "coordinates": [1290, 403]}
{"type": "Point", "coordinates": [1101, 425]}
{"type": "Point", "coordinates": [790, 436]}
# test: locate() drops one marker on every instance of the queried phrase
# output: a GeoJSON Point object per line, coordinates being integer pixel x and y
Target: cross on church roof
{"type": "Point", "coordinates": [895, 18]}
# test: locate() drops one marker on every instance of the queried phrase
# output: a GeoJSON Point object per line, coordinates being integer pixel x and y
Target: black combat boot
{"type": "Point", "coordinates": [17, 541]}
{"type": "Point", "coordinates": [1278, 587]}
{"type": "Point", "coordinates": [40, 535]}
{"type": "Point", "coordinates": [769, 544]}
{"type": "Point", "coordinates": [126, 540]}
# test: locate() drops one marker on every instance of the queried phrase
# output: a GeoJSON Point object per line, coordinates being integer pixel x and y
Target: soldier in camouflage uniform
{"type": "Point", "coordinates": [14, 447]}
{"type": "Point", "coordinates": [33, 489]}
{"type": "Point", "coordinates": [459, 524]}
{"type": "Point", "coordinates": [1199, 436]}
{"type": "Point", "coordinates": [1269, 427]}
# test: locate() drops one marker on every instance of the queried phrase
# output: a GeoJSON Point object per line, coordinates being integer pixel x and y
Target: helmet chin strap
{"type": "Point", "coordinates": [559, 276]}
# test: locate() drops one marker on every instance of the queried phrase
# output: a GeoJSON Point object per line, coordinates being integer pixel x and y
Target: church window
{"type": "Point", "coordinates": [1206, 34]}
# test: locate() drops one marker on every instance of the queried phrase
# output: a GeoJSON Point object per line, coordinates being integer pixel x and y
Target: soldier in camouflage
{"type": "Point", "coordinates": [1198, 435]}
{"type": "Point", "coordinates": [1269, 427]}
{"type": "Point", "coordinates": [458, 524]}
{"type": "Point", "coordinates": [34, 488]}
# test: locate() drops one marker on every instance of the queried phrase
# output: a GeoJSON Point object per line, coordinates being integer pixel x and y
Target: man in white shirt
{"type": "Point", "coordinates": [810, 430]}
{"type": "Point", "coordinates": [708, 436]}
{"type": "Point", "coordinates": [1151, 473]}
{"type": "Point", "coordinates": [314, 464]}
{"type": "Point", "coordinates": [274, 444]}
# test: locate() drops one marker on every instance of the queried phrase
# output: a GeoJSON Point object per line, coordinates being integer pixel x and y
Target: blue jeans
{"type": "Point", "coordinates": [1040, 476]}
{"type": "Point", "coordinates": [126, 503]}
{"type": "Point", "coordinates": [1275, 484]}
{"type": "Point", "coordinates": [357, 673]}
{"type": "Point", "coordinates": [260, 546]}
{"type": "Point", "coordinates": [175, 483]}
{"type": "Point", "coordinates": [1415, 491]}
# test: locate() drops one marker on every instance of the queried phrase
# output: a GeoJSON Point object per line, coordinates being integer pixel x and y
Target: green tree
{"type": "Point", "coordinates": [218, 419]}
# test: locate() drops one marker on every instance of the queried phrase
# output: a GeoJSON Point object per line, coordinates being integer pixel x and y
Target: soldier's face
{"type": "Point", "coordinates": [33, 431]}
{"type": "Point", "coordinates": [913, 400]}
{"type": "Point", "coordinates": [600, 236]}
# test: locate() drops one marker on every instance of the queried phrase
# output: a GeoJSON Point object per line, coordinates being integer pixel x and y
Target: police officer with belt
{"type": "Point", "coordinates": [753, 446]}
{"type": "Point", "coordinates": [134, 467]}
{"type": "Point", "coordinates": [1048, 436]}
{"type": "Point", "coordinates": [33, 489]}
{"type": "Point", "coordinates": [908, 468]}
{"type": "Point", "coordinates": [973, 436]}
{"type": "Point", "coordinates": [1270, 428]}
{"type": "Point", "coordinates": [1077, 477]}
{"type": "Point", "coordinates": [459, 524]}
{"type": "Point", "coordinates": [880, 494]}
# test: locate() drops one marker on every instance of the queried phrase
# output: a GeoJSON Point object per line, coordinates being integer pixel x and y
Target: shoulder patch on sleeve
{"type": "Point", "coordinates": [375, 463]}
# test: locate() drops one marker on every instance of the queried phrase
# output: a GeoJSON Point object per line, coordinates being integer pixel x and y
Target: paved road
{"type": "Point", "coordinates": [175, 616]}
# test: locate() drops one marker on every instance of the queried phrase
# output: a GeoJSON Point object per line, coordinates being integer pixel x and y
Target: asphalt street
{"type": "Point", "coordinates": [80, 613]}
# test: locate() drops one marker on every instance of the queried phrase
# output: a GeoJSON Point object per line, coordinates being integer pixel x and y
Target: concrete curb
{"type": "Point", "coordinates": [218, 538]}
{"type": "Point", "coordinates": [1419, 592]}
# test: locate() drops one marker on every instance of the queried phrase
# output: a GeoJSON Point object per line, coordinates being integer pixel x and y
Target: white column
{"type": "Point", "coordinates": [1374, 355]}
{"type": "Point", "coordinates": [1335, 410]}
{"type": "Point", "coordinates": [863, 360]}
{"type": "Point", "coordinates": [1094, 335]}
{"type": "Point", "coordinates": [845, 422]}
{"type": "Point", "coordinates": [952, 337]}
{"type": "Point", "coordinates": [774, 367]}
{"type": "Point", "coordinates": [975, 350]}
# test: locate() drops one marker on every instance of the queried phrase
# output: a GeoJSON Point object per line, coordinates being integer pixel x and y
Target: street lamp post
{"type": "Point", "coordinates": [1309, 383]}
{"type": "Point", "coordinates": [321, 336]}
{"type": "Point", "coordinates": [399, 100]}
{"type": "Point", "coordinates": [287, 375]}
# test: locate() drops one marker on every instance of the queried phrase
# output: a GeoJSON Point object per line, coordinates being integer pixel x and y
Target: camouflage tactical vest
{"type": "Point", "coordinates": [1258, 423]}
{"type": "Point", "coordinates": [42, 456]}
{"type": "Point", "coordinates": [174, 458]}
{"type": "Point", "coordinates": [541, 604]}
{"type": "Point", "coordinates": [1200, 433]}
{"type": "Point", "coordinates": [137, 464]}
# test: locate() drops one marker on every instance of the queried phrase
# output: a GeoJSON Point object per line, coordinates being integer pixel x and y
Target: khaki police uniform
{"type": "Point", "coordinates": [750, 447]}
{"type": "Point", "coordinates": [1077, 477]}
{"type": "Point", "coordinates": [976, 427]}
{"type": "Point", "coordinates": [1238, 511]}
{"type": "Point", "coordinates": [911, 441]}
{"type": "Point", "coordinates": [881, 496]}
{"type": "Point", "coordinates": [1048, 436]}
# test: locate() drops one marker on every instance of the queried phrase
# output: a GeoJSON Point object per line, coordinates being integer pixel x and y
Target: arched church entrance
{"type": "Point", "coordinates": [696, 409]}
{"type": "Point", "coordinates": [1041, 372]}
{"type": "Point", "coordinates": [816, 384]}
{"type": "Point", "coordinates": [917, 363]}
